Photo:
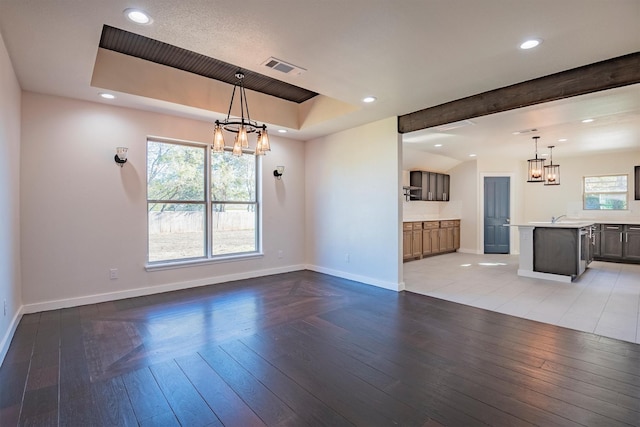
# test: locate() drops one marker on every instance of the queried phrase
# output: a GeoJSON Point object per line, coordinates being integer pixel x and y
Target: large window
{"type": "Point", "coordinates": [607, 192]}
{"type": "Point", "coordinates": [192, 215]}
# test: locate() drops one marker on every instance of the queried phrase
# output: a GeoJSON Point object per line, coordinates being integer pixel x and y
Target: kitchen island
{"type": "Point", "coordinates": [559, 251]}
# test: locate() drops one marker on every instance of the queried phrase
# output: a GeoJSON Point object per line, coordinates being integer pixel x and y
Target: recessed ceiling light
{"type": "Point", "coordinates": [562, 140]}
{"type": "Point", "coordinates": [107, 95]}
{"type": "Point", "coordinates": [587, 120]}
{"type": "Point", "coordinates": [282, 130]}
{"type": "Point", "coordinates": [438, 145]}
{"type": "Point", "coordinates": [472, 155]}
{"type": "Point", "coordinates": [369, 99]}
{"type": "Point", "coordinates": [138, 16]}
{"type": "Point", "coordinates": [530, 44]}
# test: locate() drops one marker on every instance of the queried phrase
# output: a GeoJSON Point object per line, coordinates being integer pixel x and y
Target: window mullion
{"type": "Point", "coordinates": [207, 197]}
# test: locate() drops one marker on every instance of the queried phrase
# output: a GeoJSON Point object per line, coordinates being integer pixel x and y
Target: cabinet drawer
{"type": "Point", "coordinates": [632, 228]}
{"type": "Point", "coordinates": [430, 224]}
{"type": "Point", "coordinates": [407, 226]}
{"type": "Point", "coordinates": [417, 226]}
{"type": "Point", "coordinates": [447, 224]}
{"type": "Point", "coordinates": [611, 227]}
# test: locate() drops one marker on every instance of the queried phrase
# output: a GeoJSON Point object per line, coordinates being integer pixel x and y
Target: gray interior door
{"type": "Point", "coordinates": [496, 215]}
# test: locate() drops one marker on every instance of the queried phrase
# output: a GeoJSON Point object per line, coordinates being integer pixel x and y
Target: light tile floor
{"type": "Point", "coordinates": [605, 300]}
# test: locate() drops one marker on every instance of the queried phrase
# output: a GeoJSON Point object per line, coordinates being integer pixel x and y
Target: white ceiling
{"type": "Point", "coordinates": [410, 54]}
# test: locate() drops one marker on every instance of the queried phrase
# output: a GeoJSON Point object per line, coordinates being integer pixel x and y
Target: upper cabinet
{"type": "Point", "coordinates": [429, 186]}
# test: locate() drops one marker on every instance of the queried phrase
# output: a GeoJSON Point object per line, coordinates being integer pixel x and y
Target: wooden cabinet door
{"type": "Point", "coordinates": [433, 184]}
{"type": "Point", "coordinates": [632, 243]}
{"type": "Point", "coordinates": [407, 246]}
{"type": "Point", "coordinates": [597, 238]}
{"type": "Point", "coordinates": [443, 239]}
{"type": "Point", "coordinates": [456, 238]}
{"type": "Point", "coordinates": [426, 242]}
{"type": "Point", "coordinates": [446, 196]}
{"type": "Point", "coordinates": [440, 187]}
{"type": "Point", "coordinates": [417, 243]}
{"type": "Point", "coordinates": [611, 243]}
{"type": "Point", "coordinates": [435, 240]}
{"type": "Point", "coordinates": [450, 239]}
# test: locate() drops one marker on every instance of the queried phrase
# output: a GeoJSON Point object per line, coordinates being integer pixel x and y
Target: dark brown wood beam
{"type": "Point", "coordinates": [609, 74]}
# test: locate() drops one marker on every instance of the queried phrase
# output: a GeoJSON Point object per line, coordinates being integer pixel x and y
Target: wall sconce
{"type": "Point", "coordinates": [121, 155]}
{"type": "Point", "coordinates": [278, 172]}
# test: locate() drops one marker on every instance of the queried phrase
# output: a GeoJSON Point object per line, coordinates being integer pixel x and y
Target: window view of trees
{"type": "Point", "coordinates": [234, 203]}
{"type": "Point", "coordinates": [605, 192]}
{"type": "Point", "coordinates": [181, 209]}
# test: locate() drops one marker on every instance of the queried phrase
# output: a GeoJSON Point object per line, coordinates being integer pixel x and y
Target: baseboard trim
{"type": "Point", "coordinates": [470, 251]}
{"type": "Point", "coordinates": [6, 340]}
{"type": "Point", "coordinates": [150, 290]}
{"type": "Point", "coordinates": [357, 278]}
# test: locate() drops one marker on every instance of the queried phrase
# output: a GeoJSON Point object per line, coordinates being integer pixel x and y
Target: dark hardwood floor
{"type": "Point", "coordinates": [302, 349]}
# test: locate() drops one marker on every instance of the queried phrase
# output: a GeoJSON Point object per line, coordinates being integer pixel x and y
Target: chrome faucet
{"type": "Point", "coordinates": [555, 219]}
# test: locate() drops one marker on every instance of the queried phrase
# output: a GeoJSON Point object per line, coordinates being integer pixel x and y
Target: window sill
{"type": "Point", "coordinates": [197, 262]}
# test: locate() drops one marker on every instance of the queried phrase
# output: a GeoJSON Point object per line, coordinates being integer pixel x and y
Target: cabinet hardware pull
{"type": "Point", "coordinates": [634, 228]}
{"type": "Point", "coordinates": [612, 228]}
{"type": "Point", "coordinates": [621, 237]}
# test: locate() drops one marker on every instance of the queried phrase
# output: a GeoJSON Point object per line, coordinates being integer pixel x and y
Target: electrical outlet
{"type": "Point", "coordinates": [5, 307]}
{"type": "Point", "coordinates": [347, 258]}
{"type": "Point", "coordinates": [113, 273]}
{"type": "Point", "coordinates": [280, 253]}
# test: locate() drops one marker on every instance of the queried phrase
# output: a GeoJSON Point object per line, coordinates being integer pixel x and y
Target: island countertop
{"type": "Point", "coordinates": [559, 224]}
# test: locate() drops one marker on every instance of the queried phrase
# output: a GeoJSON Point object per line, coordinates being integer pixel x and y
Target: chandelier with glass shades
{"type": "Point", "coordinates": [241, 126]}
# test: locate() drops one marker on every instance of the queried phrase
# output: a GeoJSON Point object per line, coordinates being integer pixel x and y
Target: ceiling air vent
{"type": "Point", "coordinates": [454, 125]}
{"type": "Point", "coordinates": [524, 131]}
{"type": "Point", "coordinates": [283, 67]}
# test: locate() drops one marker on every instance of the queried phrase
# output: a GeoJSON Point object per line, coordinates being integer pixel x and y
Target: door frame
{"type": "Point", "coordinates": [512, 233]}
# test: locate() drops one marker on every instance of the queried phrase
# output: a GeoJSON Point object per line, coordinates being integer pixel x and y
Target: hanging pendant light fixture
{"type": "Point", "coordinates": [536, 166]}
{"type": "Point", "coordinates": [241, 126]}
{"type": "Point", "coordinates": [551, 171]}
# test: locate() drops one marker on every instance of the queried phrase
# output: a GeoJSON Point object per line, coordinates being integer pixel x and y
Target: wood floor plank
{"type": "Point", "coordinates": [13, 377]}
{"type": "Point", "coordinates": [260, 399]}
{"type": "Point", "coordinates": [304, 348]}
{"type": "Point", "coordinates": [334, 386]}
{"type": "Point", "coordinates": [184, 399]}
{"type": "Point", "coordinates": [40, 404]}
{"type": "Point", "coordinates": [79, 409]}
{"type": "Point", "coordinates": [146, 397]}
{"type": "Point", "coordinates": [517, 412]}
{"type": "Point", "coordinates": [168, 419]}
{"type": "Point", "coordinates": [225, 403]}
{"type": "Point", "coordinates": [301, 401]}
{"type": "Point", "coordinates": [115, 407]}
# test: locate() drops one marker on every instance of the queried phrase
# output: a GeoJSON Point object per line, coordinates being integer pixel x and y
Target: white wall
{"type": "Point", "coordinates": [464, 197]}
{"type": "Point", "coordinates": [542, 202]}
{"type": "Point", "coordinates": [10, 280]}
{"type": "Point", "coordinates": [413, 159]}
{"type": "Point", "coordinates": [82, 214]}
{"type": "Point", "coordinates": [353, 196]}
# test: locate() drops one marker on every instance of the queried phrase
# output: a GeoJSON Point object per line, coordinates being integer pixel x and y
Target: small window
{"type": "Point", "coordinates": [608, 192]}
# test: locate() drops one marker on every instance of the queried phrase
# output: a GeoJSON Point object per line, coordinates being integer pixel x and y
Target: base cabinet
{"type": "Point", "coordinates": [427, 238]}
{"type": "Point", "coordinates": [631, 246]}
{"type": "Point", "coordinates": [407, 242]}
{"type": "Point", "coordinates": [618, 242]}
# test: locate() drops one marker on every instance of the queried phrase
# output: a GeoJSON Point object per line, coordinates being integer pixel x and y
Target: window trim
{"type": "Point", "coordinates": [208, 258]}
{"type": "Point", "coordinates": [585, 193]}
